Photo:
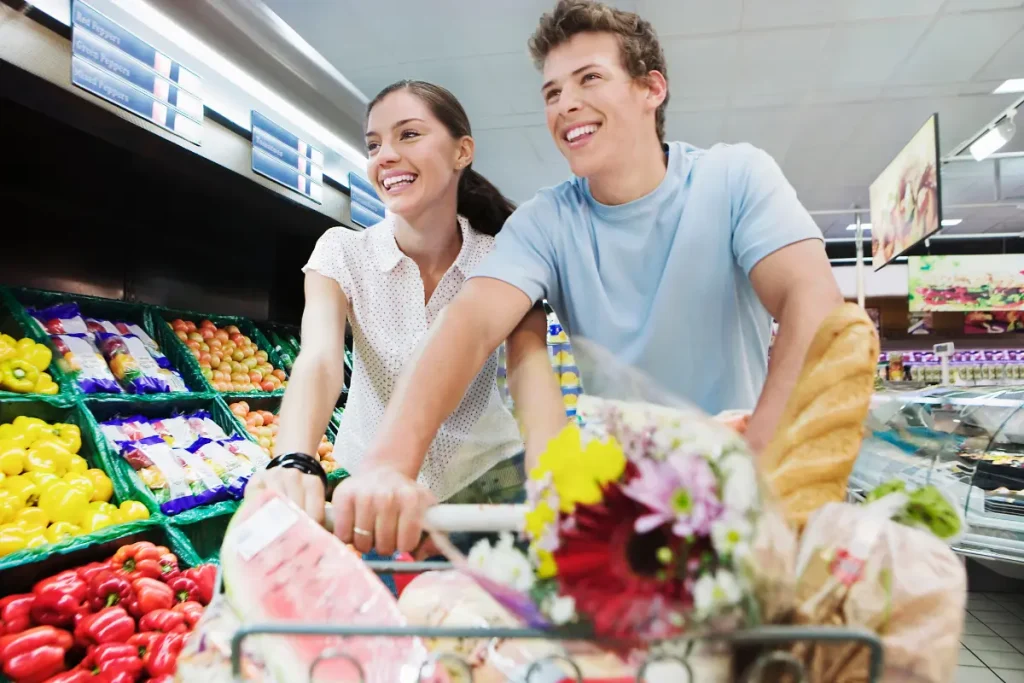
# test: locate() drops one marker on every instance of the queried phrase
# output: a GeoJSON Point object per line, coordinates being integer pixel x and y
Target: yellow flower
{"type": "Point", "coordinates": [538, 519]}
{"type": "Point", "coordinates": [606, 460]}
{"type": "Point", "coordinates": [577, 473]}
{"type": "Point", "coordinates": [546, 567]}
{"type": "Point", "coordinates": [559, 449]}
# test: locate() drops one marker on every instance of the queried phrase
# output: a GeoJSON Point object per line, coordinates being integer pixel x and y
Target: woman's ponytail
{"type": "Point", "coordinates": [483, 205]}
{"type": "Point", "coordinates": [479, 200]}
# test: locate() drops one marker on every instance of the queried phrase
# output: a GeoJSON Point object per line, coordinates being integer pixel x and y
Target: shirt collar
{"type": "Point", "coordinates": [389, 255]}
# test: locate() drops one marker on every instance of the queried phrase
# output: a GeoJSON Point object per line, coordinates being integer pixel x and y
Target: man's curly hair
{"type": "Point", "coordinates": [641, 51]}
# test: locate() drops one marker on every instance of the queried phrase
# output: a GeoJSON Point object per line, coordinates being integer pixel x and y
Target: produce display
{"type": "Point", "coordinates": [229, 360]}
{"type": "Point", "coordinates": [108, 357]}
{"type": "Point", "coordinates": [286, 345]}
{"type": "Point", "coordinates": [185, 460]}
{"type": "Point", "coordinates": [48, 492]}
{"type": "Point", "coordinates": [23, 365]}
{"type": "Point", "coordinates": [119, 621]}
{"type": "Point", "coordinates": [262, 425]}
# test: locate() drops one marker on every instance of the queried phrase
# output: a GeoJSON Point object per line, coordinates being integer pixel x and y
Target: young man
{"type": "Point", "coordinates": [673, 258]}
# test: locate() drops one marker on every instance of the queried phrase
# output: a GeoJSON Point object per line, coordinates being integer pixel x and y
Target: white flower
{"type": "Point", "coordinates": [502, 563]}
{"type": "Point", "coordinates": [711, 593]}
{"type": "Point", "coordinates": [731, 534]}
{"type": "Point", "coordinates": [562, 610]}
{"type": "Point", "coordinates": [739, 492]}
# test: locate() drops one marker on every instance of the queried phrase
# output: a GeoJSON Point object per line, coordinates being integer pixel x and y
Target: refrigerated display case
{"type": "Point", "coordinates": [968, 442]}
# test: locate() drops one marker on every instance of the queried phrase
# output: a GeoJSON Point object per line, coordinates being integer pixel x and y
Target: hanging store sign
{"type": "Point", "coordinates": [993, 282]}
{"type": "Point", "coordinates": [111, 63]}
{"type": "Point", "coordinates": [284, 158]}
{"type": "Point", "coordinates": [366, 207]}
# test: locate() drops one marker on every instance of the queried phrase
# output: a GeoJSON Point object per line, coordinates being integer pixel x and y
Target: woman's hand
{"type": "Point", "coordinates": [305, 490]}
{"type": "Point", "coordinates": [381, 508]}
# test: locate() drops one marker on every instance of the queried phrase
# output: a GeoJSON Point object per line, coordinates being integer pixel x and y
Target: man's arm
{"type": "Point", "coordinates": [534, 387]}
{"type": "Point", "coordinates": [436, 377]}
{"type": "Point", "coordinates": [798, 288]}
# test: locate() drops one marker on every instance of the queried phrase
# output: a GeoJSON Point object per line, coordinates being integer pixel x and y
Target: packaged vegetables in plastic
{"type": "Point", "coordinates": [178, 479]}
{"type": "Point", "coordinates": [61, 319]}
{"type": "Point", "coordinates": [131, 364]}
{"type": "Point", "coordinates": [232, 470]}
{"type": "Point", "coordinates": [86, 364]}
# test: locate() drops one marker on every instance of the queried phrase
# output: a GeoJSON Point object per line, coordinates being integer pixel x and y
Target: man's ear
{"type": "Point", "coordinates": [464, 152]}
{"type": "Point", "coordinates": [657, 89]}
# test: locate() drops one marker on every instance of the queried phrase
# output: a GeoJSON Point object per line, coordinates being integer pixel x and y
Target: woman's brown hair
{"type": "Point", "coordinates": [483, 204]}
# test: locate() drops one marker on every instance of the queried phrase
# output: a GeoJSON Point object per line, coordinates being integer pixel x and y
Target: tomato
{"type": "Point", "coordinates": [254, 419]}
{"type": "Point", "coordinates": [207, 323]}
{"type": "Point", "coordinates": [179, 324]}
{"type": "Point", "coordinates": [207, 333]}
{"type": "Point", "coordinates": [279, 373]}
{"type": "Point", "coordinates": [192, 344]}
{"type": "Point", "coordinates": [238, 355]}
{"type": "Point", "coordinates": [182, 335]}
{"type": "Point", "coordinates": [262, 356]}
{"type": "Point", "coordinates": [241, 409]}
{"type": "Point", "coordinates": [205, 358]}
{"type": "Point", "coordinates": [190, 326]}
{"type": "Point", "coordinates": [232, 329]}
{"type": "Point", "coordinates": [215, 343]}
{"type": "Point", "coordinates": [222, 335]}
{"type": "Point", "coordinates": [255, 377]}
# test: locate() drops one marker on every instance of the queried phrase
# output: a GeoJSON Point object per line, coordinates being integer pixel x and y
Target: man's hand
{"type": "Point", "coordinates": [798, 288]}
{"type": "Point", "coordinates": [381, 508]}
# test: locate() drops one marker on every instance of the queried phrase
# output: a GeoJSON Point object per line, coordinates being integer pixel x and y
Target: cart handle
{"type": "Point", "coordinates": [463, 518]}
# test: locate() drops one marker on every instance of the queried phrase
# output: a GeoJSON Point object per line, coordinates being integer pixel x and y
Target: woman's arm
{"type": "Point", "coordinates": [533, 385]}
{"type": "Point", "coordinates": [316, 381]}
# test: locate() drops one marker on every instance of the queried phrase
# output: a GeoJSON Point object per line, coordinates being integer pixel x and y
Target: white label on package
{"type": "Point", "coordinates": [264, 527]}
{"type": "Point", "coordinates": [178, 429]}
{"type": "Point", "coordinates": [106, 326]}
{"type": "Point", "coordinates": [141, 334]}
{"type": "Point", "coordinates": [163, 459]}
{"type": "Point", "coordinates": [91, 363]}
{"type": "Point", "coordinates": [218, 455]}
{"type": "Point", "coordinates": [201, 469]}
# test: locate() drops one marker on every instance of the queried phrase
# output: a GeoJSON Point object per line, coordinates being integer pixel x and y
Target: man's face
{"type": "Point", "coordinates": [596, 112]}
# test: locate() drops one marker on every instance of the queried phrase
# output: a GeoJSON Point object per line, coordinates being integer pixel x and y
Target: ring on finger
{"type": "Point", "coordinates": [362, 532]}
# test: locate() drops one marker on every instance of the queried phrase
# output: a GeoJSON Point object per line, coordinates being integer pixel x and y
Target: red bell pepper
{"type": "Point", "coordinates": [184, 588]}
{"type": "Point", "coordinates": [34, 655]}
{"type": "Point", "coordinates": [168, 566]}
{"type": "Point", "coordinates": [151, 594]}
{"type": "Point", "coordinates": [15, 612]}
{"type": "Point", "coordinates": [140, 559]}
{"type": "Point", "coordinates": [111, 659]}
{"type": "Point", "coordinates": [58, 598]}
{"type": "Point", "coordinates": [108, 588]}
{"type": "Point", "coordinates": [76, 675]}
{"type": "Point", "coordinates": [87, 572]}
{"type": "Point", "coordinates": [110, 625]}
{"type": "Point", "coordinates": [162, 656]}
{"type": "Point", "coordinates": [163, 621]}
{"type": "Point", "coordinates": [143, 640]}
{"type": "Point", "coordinates": [166, 678]}
{"type": "Point", "coordinates": [205, 576]}
{"type": "Point", "coordinates": [193, 612]}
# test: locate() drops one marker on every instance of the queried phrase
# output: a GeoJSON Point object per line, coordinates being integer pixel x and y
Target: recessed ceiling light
{"type": "Point", "coordinates": [853, 226]}
{"type": "Point", "coordinates": [950, 222]}
{"type": "Point", "coordinates": [1011, 85]}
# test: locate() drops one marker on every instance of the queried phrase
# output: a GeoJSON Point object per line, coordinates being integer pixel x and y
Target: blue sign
{"type": "Point", "coordinates": [88, 19]}
{"type": "Point", "coordinates": [366, 207]}
{"type": "Point", "coordinates": [279, 172]}
{"type": "Point", "coordinates": [127, 96]}
{"type": "Point", "coordinates": [296, 164]}
{"type": "Point", "coordinates": [113, 64]}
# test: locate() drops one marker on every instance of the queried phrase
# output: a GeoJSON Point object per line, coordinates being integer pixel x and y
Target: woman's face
{"type": "Point", "coordinates": [414, 161]}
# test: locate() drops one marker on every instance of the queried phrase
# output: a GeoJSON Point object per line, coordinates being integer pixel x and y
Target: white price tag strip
{"type": "Point", "coordinates": [464, 518]}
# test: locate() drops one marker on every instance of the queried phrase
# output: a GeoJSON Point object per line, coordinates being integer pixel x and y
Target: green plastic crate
{"type": "Point", "coordinates": [101, 409]}
{"type": "Point", "coordinates": [205, 536]}
{"type": "Point", "coordinates": [165, 316]}
{"type": "Point", "coordinates": [116, 311]}
{"type": "Point", "coordinates": [16, 323]}
{"type": "Point", "coordinates": [58, 410]}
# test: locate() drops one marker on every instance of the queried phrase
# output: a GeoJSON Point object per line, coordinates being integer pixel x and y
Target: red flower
{"type": "Point", "coordinates": [618, 578]}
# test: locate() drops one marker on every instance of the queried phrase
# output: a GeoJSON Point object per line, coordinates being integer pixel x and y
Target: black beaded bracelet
{"type": "Point", "coordinates": [306, 464]}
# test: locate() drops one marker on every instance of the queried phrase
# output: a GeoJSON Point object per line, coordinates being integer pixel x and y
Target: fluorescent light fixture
{"type": "Point", "coordinates": [994, 140]}
{"type": "Point", "coordinates": [1009, 86]}
{"type": "Point", "coordinates": [950, 222]}
{"type": "Point", "coordinates": [853, 226]}
{"type": "Point", "coordinates": [160, 23]}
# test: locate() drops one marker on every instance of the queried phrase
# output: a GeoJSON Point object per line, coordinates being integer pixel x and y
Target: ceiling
{"type": "Point", "coordinates": [831, 88]}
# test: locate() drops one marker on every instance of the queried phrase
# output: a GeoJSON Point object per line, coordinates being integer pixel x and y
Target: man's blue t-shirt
{"type": "Point", "coordinates": [662, 282]}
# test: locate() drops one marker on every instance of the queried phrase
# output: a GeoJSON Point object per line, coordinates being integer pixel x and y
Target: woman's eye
{"type": "Point", "coordinates": [590, 77]}
{"type": "Point", "coordinates": [407, 134]}
{"type": "Point", "coordinates": [372, 146]}
{"type": "Point", "coordinates": [551, 95]}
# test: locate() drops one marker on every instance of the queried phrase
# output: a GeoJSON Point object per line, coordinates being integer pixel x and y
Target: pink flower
{"type": "Point", "coordinates": [682, 491]}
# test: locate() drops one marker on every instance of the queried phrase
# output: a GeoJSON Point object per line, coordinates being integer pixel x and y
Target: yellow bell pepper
{"type": "Point", "coordinates": [45, 385]}
{"type": "Point", "coordinates": [42, 480]}
{"type": "Point", "coordinates": [36, 538]}
{"type": "Point", "coordinates": [18, 375]}
{"type": "Point", "coordinates": [63, 503]}
{"type": "Point", "coordinates": [103, 488]}
{"type": "Point", "coordinates": [32, 427]}
{"type": "Point", "coordinates": [94, 520]}
{"type": "Point", "coordinates": [7, 347]}
{"type": "Point", "coordinates": [39, 355]}
{"type": "Point", "coordinates": [101, 506]}
{"type": "Point", "coordinates": [80, 482]}
{"type": "Point", "coordinates": [133, 511]}
{"type": "Point", "coordinates": [36, 461]}
{"type": "Point", "coordinates": [58, 531]}
{"type": "Point", "coordinates": [77, 465]}
{"type": "Point", "coordinates": [49, 445]}
{"type": "Point", "coordinates": [9, 507]}
{"type": "Point", "coordinates": [31, 518]}
{"type": "Point", "coordinates": [12, 458]}
{"type": "Point", "coordinates": [23, 489]}
{"type": "Point", "coordinates": [12, 539]}
{"type": "Point", "coordinates": [12, 436]}
{"type": "Point", "coordinates": [2, 477]}
{"type": "Point", "coordinates": [69, 435]}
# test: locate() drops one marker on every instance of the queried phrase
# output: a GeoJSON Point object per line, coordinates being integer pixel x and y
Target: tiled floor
{"type": "Point", "coordinates": [992, 647]}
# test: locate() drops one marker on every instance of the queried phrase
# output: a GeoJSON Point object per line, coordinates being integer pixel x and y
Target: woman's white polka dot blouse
{"type": "Point", "coordinates": [388, 320]}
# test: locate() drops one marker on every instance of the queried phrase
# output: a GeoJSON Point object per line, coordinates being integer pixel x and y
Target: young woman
{"type": "Point", "coordinates": [391, 281]}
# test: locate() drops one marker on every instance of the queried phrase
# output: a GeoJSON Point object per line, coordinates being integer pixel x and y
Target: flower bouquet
{"type": "Point", "coordinates": [644, 524]}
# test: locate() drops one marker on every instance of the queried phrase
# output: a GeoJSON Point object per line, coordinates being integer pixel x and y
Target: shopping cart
{"type": "Point", "coordinates": [770, 661]}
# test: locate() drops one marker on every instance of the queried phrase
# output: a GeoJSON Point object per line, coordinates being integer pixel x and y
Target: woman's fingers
{"type": "Point", "coordinates": [386, 523]}
{"type": "Point", "coordinates": [365, 522]}
{"type": "Point", "coordinates": [313, 491]}
{"type": "Point", "coordinates": [344, 512]}
{"type": "Point", "coordinates": [413, 502]}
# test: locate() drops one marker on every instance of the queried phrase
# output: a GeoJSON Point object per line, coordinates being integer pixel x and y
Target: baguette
{"type": "Point", "coordinates": [809, 460]}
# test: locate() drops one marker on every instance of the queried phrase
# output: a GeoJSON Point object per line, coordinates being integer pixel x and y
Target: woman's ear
{"type": "Point", "coordinates": [464, 152]}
